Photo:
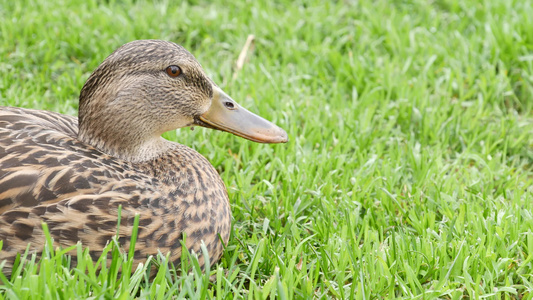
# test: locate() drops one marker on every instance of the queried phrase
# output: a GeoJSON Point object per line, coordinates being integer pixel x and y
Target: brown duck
{"type": "Point", "coordinates": [74, 173]}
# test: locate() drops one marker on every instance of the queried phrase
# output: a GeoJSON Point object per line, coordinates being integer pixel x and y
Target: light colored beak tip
{"type": "Point", "coordinates": [278, 136]}
{"type": "Point", "coordinates": [284, 137]}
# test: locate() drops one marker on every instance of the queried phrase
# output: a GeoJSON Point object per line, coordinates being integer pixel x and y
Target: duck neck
{"type": "Point", "coordinates": [127, 147]}
{"type": "Point", "coordinates": [120, 134]}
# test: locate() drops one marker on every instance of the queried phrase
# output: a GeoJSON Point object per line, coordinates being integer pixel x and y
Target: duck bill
{"type": "Point", "coordinates": [227, 115]}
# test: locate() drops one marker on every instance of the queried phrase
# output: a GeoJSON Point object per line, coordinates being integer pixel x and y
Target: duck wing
{"type": "Point", "coordinates": [47, 175]}
{"type": "Point", "coordinates": [42, 162]}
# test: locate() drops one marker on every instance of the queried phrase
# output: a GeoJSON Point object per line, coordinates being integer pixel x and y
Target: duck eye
{"type": "Point", "coordinates": [173, 71]}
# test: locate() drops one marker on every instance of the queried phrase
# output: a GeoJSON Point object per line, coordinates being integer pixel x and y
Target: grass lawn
{"type": "Point", "coordinates": [409, 171]}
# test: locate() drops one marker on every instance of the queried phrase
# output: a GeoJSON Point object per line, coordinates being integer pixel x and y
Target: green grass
{"type": "Point", "coordinates": [409, 171]}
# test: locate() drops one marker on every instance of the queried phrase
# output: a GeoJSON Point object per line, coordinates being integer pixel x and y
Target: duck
{"type": "Point", "coordinates": [76, 173]}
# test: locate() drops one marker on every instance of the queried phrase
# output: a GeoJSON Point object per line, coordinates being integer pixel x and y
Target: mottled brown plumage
{"type": "Point", "coordinates": [74, 178]}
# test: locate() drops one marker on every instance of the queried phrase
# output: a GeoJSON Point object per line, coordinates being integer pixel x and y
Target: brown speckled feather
{"type": "Point", "coordinates": [46, 174]}
{"type": "Point", "coordinates": [74, 173]}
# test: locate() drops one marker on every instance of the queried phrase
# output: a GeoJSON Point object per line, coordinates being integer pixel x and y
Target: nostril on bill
{"type": "Point", "coordinates": [229, 105]}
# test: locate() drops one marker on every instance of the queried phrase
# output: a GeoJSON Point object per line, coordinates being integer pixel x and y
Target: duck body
{"type": "Point", "coordinates": [48, 175]}
{"type": "Point", "coordinates": [74, 173]}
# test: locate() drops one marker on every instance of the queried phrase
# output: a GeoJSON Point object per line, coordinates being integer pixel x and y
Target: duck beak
{"type": "Point", "coordinates": [227, 115]}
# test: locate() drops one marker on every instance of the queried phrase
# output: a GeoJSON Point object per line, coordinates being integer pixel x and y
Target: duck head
{"type": "Point", "coordinates": [148, 87]}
